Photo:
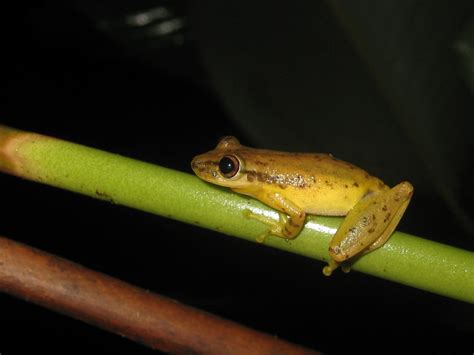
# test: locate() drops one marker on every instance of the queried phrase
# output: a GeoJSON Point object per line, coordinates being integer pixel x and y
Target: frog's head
{"type": "Point", "coordinates": [221, 166]}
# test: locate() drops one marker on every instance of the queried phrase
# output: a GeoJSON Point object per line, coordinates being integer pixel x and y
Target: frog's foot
{"type": "Point", "coordinates": [276, 227]}
{"type": "Point", "coordinates": [332, 265]}
{"type": "Point", "coordinates": [370, 223]}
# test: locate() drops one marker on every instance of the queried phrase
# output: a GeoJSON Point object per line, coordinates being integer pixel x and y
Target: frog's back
{"type": "Point", "coordinates": [317, 183]}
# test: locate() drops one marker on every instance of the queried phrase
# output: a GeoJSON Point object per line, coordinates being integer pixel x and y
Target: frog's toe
{"type": "Point", "coordinates": [259, 217]}
{"type": "Point", "coordinates": [332, 265]}
{"type": "Point", "coordinates": [249, 214]}
{"type": "Point", "coordinates": [261, 238]}
{"type": "Point", "coordinates": [327, 270]}
{"type": "Point", "coordinates": [346, 268]}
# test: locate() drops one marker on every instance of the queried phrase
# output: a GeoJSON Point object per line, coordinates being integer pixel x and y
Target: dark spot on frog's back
{"type": "Point", "coordinates": [261, 163]}
{"type": "Point", "coordinates": [355, 184]}
{"type": "Point", "coordinates": [263, 177]}
{"type": "Point", "coordinates": [251, 176]}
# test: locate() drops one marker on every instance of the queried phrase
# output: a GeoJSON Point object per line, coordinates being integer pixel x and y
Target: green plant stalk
{"type": "Point", "coordinates": [406, 259]}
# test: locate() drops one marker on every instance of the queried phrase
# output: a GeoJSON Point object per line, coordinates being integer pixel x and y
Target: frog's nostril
{"type": "Point", "coordinates": [198, 165]}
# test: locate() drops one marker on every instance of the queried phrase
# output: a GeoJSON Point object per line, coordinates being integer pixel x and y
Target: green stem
{"type": "Point", "coordinates": [406, 259]}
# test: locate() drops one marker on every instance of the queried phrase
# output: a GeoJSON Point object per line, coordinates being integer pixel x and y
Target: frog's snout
{"type": "Point", "coordinates": [201, 165]}
{"type": "Point", "coordinates": [197, 165]}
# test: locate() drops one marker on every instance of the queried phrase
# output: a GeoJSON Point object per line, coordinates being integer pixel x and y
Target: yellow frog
{"type": "Point", "coordinates": [308, 183]}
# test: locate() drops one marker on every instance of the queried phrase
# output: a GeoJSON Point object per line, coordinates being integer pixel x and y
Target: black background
{"type": "Point", "coordinates": [156, 100]}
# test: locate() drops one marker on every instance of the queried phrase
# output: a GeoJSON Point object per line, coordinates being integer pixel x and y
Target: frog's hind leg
{"type": "Point", "coordinates": [369, 224]}
{"type": "Point", "coordinates": [393, 221]}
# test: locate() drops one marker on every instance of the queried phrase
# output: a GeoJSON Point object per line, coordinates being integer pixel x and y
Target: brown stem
{"type": "Point", "coordinates": [111, 304]}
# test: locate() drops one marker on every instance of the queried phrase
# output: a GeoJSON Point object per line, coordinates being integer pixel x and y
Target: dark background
{"type": "Point", "coordinates": [379, 85]}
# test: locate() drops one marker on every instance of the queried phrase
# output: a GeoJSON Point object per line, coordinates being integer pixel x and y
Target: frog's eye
{"type": "Point", "coordinates": [229, 166]}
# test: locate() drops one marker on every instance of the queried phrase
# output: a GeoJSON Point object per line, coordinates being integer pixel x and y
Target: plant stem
{"type": "Point", "coordinates": [406, 259]}
{"type": "Point", "coordinates": [103, 301]}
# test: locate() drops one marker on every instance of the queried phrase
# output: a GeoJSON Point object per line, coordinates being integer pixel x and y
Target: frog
{"type": "Point", "coordinates": [301, 184]}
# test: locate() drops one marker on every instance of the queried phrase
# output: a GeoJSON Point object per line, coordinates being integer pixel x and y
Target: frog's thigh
{"type": "Point", "coordinates": [288, 227]}
{"type": "Point", "coordinates": [370, 222]}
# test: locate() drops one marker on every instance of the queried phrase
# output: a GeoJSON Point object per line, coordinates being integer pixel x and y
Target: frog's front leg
{"type": "Point", "coordinates": [369, 224]}
{"type": "Point", "coordinates": [288, 226]}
